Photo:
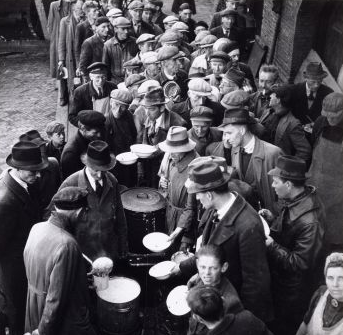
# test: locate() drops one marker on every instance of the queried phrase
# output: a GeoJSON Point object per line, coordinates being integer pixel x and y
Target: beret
{"type": "Point", "coordinates": [114, 12]}
{"type": "Point", "coordinates": [70, 197]}
{"type": "Point", "coordinates": [170, 36]}
{"type": "Point", "coordinates": [221, 55]}
{"type": "Point", "coordinates": [132, 63]}
{"type": "Point", "coordinates": [100, 20]}
{"type": "Point", "coordinates": [333, 102]}
{"type": "Point", "coordinates": [228, 12]}
{"type": "Point", "coordinates": [184, 6]}
{"type": "Point", "coordinates": [145, 38]}
{"type": "Point", "coordinates": [168, 52]}
{"type": "Point", "coordinates": [121, 22]}
{"type": "Point", "coordinates": [149, 57]}
{"type": "Point", "coordinates": [136, 5]}
{"type": "Point", "coordinates": [134, 79]}
{"type": "Point", "coordinates": [97, 67]}
{"type": "Point", "coordinates": [207, 41]}
{"type": "Point", "coordinates": [234, 99]}
{"type": "Point", "coordinates": [202, 113]}
{"type": "Point", "coordinates": [170, 18]}
{"type": "Point", "coordinates": [91, 118]}
{"type": "Point", "coordinates": [147, 86]}
{"type": "Point", "coordinates": [200, 36]}
{"type": "Point", "coordinates": [180, 26]}
{"type": "Point", "coordinates": [234, 75]}
{"type": "Point", "coordinates": [122, 96]}
{"type": "Point", "coordinates": [200, 87]}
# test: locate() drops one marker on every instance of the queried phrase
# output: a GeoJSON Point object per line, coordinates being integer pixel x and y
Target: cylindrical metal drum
{"type": "Point", "coordinates": [145, 213]}
{"type": "Point", "coordinates": [118, 306]}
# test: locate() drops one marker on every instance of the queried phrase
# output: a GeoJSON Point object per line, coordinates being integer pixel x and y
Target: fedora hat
{"type": "Point", "coordinates": [154, 97]}
{"type": "Point", "coordinates": [314, 70]}
{"type": "Point", "coordinates": [206, 177]}
{"type": "Point", "coordinates": [239, 115]}
{"type": "Point", "coordinates": [177, 141]}
{"type": "Point", "coordinates": [98, 156]}
{"type": "Point", "coordinates": [290, 168]}
{"type": "Point", "coordinates": [26, 156]}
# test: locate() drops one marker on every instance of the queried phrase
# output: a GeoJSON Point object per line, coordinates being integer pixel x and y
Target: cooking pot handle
{"type": "Point", "coordinates": [143, 195]}
{"type": "Point", "coordinates": [124, 310]}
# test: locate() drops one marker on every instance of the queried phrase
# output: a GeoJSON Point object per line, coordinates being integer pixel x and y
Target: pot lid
{"type": "Point", "coordinates": [142, 199]}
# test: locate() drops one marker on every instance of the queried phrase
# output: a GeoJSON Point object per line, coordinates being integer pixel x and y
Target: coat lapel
{"type": "Point", "coordinates": [236, 161]}
{"type": "Point", "coordinates": [254, 170]}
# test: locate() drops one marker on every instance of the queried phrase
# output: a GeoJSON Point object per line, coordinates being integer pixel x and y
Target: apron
{"type": "Point", "coordinates": [101, 105]}
{"type": "Point", "coordinates": [315, 326]}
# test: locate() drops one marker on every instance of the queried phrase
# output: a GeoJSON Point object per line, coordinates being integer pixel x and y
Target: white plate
{"type": "Point", "coordinates": [162, 270]}
{"type": "Point", "coordinates": [143, 150]}
{"type": "Point", "coordinates": [127, 158]}
{"type": "Point", "coordinates": [156, 242]}
{"type": "Point", "coordinates": [176, 300]}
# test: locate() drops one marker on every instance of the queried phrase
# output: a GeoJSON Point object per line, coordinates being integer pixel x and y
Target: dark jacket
{"type": "Point", "coordinates": [248, 74]}
{"type": "Point", "coordinates": [213, 135]}
{"type": "Point", "coordinates": [84, 96]}
{"type": "Point", "coordinates": [83, 31]}
{"type": "Point", "coordinates": [240, 233]}
{"type": "Point", "coordinates": [159, 19]}
{"type": "Point", "coordinates": [217, 21]}
{"type": "Point", "coordinates": [57, 301]}
{"type": "Point", "coordinates": [52, 151]}
{"type": "Point", "coordinates": [18, 213]}
{"type": "Point", "coordinates": [298, 234]}
{"type": "Point", "coordinates": [300, 103]}
{"type": "Point", "coordinates": [145, 28]}
{"type": "Point", "coordinates": [102, 229]}
{"type": "Point", "coordinates": [258, 103]}
{"type": "Point", "coordinates": [234, 35]}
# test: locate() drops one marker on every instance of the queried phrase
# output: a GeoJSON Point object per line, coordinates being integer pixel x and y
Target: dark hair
{"type": "Point", "coordinates": [296, 183]}
{"type": "Point", "coordinates": [206, 302]}
{"type": "Point", "coordinates": [212, 250]}
{"type": "Point", "coordinates": [201, 24]}
{"type": "Point", "coordinates": [284, 94]}
{"type": "Point", "coordinates": [54, 127]}
{"type": "Point", "coordinates": [270, 68]}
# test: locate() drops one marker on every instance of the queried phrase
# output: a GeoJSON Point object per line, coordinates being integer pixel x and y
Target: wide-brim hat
{"type": "Point", "coordinates": [154, 97]}
{"type": "Point", "coordinates": [98, 156]}
{"type": "Point", "coordinates": [177, 141]}
{"type": "Point", "coordinates": [27, 156]}
{"type": "Point", "coordinates": [206, 177]}
{"type": "Point", "coordinates": [239, 115]}
{"type": "Point", "coordinates": [290, 168]}
{"type": "Point", "coordinates": [314, 70]}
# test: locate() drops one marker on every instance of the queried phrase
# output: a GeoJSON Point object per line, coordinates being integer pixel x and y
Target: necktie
{"type": "Point", "coordinates": [98, 189]}
{"type": "Point", "coordinates": [100, 92]}
{"type": "Point", "coordinates": [311, 96]}
{"type": "Point", "coordinates": [152, 130]}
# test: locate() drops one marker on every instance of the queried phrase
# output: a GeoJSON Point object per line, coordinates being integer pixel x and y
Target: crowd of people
{"type": "Point", "coordinates": [250, 169]}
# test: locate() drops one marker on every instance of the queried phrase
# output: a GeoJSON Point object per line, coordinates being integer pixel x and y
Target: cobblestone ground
{"type": "Point", "coordinates": [27, 93]}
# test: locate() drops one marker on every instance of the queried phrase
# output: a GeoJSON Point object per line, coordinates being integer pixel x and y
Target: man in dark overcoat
{"type": "Point", "coordinates": [19, 210]}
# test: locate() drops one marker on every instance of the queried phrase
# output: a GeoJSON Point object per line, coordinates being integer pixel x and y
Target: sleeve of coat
{"type": "Point", "coordinates": [106, 56]}
{"type": "Point", "coordinates": [8, 226]}
{"type": "Point", "coordinates": [85, 56]}
{"type": "Point", "coordinates": [61, 283]}
{"type": "Point", "coordinates": [67, 163]}
{"type": "Point", "coordinates": [187, 219]}
{"type": "Point", "coordinates": [62, 38]}
{"type": "Point", "coordinates": [300, 143]}
{"type": "Point", "coordinates": [51, 18]}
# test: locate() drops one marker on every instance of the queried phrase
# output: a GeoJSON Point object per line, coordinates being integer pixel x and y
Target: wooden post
{"type": "Point", "coordinates": [42, 17]}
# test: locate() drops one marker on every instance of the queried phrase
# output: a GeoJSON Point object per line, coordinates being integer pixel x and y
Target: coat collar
{"type": "Point", "coordinates": [258, 149]}
{"type": "Point", "coordinates": [183, 164]}
{"type": "Point", "coordinates": [224, 325]}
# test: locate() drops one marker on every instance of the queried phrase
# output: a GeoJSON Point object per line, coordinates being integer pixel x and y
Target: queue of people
{"type": "Point", "coordinates": [250, 171]}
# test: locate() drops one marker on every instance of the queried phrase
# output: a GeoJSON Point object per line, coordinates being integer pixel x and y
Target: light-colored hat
{"type": "Point", "coordinates": [149, 57]}
{"type": "Point", "coordinates": [234, 99]}
{"type": "Point", "coordinates": [114, 12]}
{"type": "Point", "coordinates": [168, 52]}
{"type": "Point", "coordinates": [200, 36]}
{"type": "Point", "coordinates": [145, 38]}
{"type": "Point", "coordinates": [180, 26]}
{"type": "Point", "coordinates": [134, 5]}
{"type": "Point", "coordinates": [200, 87]}
{"type": "Point", "coordinates": [121, 22]}
{"type": "Point", "coordinates": [147, 86]}
{"type": "Point", "coordinates": [170, 36]}
{"type": "Point", "coordinates": [207, 41]}
{"type": "Point", "coordinates": [123, 97]}
{"type": "Point", "coordinates": [177, 141]}
{"type": "Point", "coordinates": [170, 18]}
{"type": "Point", "coordinates": [333, 102]}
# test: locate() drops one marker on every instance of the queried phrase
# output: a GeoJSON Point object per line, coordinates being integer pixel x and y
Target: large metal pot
{"type": "Point", "coordinates": [145, 213]}
{"type": "Point", "coordinates": [118, 306]}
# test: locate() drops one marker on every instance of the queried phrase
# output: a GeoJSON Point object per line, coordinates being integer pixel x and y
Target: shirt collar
{"type": "Point", "coordinates": [223, 210]}
{"type": "Point", "coordinates": [18, 180]}
{"type": "Point", "coordinates": [168, 76]}
{"type": "Point", "coordinates": [91, 179]}
{"type": "Point", "coordinates": [249, 147]}
{"type": "Point", "coordinates": [308, 91]}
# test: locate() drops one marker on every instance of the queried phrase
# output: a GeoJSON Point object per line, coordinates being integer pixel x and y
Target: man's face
{"type": "Point", "coordinates": [227, 86]}
{"type": "Point", "coordinates": [185, 15]}
{"type": "Point", "coordinates": [282, 189]}
{"type": "Point", "coordinates": [97, 175]}
{"type": "Point", "coordinates": [104, 5]}
{"type": "Point", "coordinates": [228, 21]}
{"type": "Point", "coordinates": [98, 80]}
{"type": "Point", "coordinates": [177, 156]}
{"type": "Point", "coordinates": [232, 5]}
{"type": "Point", "coordinates": [201, 128]}
{"type": "Point", "coordinates": [218, 67]}
{"type": "Point", "coordinates": [146, 46]}
{"type": "Point", "coordinates": [265, 81]}
{"type": "Point", "coordinates": [205, 198]}
{"type": "Point", "coordinates": [153, 70]}
{"type": "Point", "coordinates": [91, 134]}
{"type": "Point", "coordinates": [131, 70]}
{"type": "Point", "coordinates": [117, 109]}
{"type": "Point", "coordinates": [29, 177]}
{"type": "Point", "coordinates": [154, 112]}
{"type": "Point", "coordinates": [122, 32]}
{"type": "Point", "coordinates": [147, 16]}
{"type": "Point", "coordinates": [195, 99]}
{"type": "Point", "coordinates": [198, 29]}
{"type": "Point", "coordinates": [58, 139]}
{"type": "Point", "coordinates": [92, 14]}
{"type": "Point", "coordinates": [313, 84]}
{"type": "Point", "coordinates": [103, 29]}
{"type": "Point", "coordinates": [210, 270]}
{"type": "Point", "coordinates": [171, 66]}
{"type": "Point", "coordinates": [77, 10]}
{"type": "Point", "coordinates": [234, 55]}
{"type": "Point", "coordinates": [136, 15]}
{"type": "Point", "coordinates": [233, 135]}
{"type": "Point", "coordinates": [334, 282]}
{"type": "Point", "coordinates": [334, 118]}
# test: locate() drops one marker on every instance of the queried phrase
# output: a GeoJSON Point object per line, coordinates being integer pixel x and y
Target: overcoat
{"type": "Point", "coordinates": [102, 229]}
{"type": "Point", "coordinates": [57, 300]}
{"type": "Point", "coordinates": [213, 135]}
{"type": "Point", "coordinates": [18, 213]}
{"type": "Point", "coordinates": [83, 31]}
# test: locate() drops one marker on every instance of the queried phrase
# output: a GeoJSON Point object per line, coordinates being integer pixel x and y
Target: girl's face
{"type": "Point", "coordinates": [210, 270]}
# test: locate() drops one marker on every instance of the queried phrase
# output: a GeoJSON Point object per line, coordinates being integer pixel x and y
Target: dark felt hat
{"type": "Point", "coordinates": [26, 156]}
{"type": "Point", "coordinates": [99, 157]}
{"type": "Point", "coordinates": [70, 197]}
{"type": "Point", "coordinates": [314, 70]}
{"type": "Point", "coordinates": [32, 136]}
{"type": "Point", "coordinates": [92, 119]}
{"type": "Point", "coordinates": [290, 168]}
{"type": "Point", "coordinates": [220, 55]}
{"type": "Point", "coordinates": [235, 75]}
{"type": "Point", "coordinates": [97, 68]}
{"type": "Point", "coordinates": [228, 12]}
{"type": "Point", "coordinates": [239, 115]}
{"type": "Point", "coordinates": [155, 97]}
{"type": "Point", "coordinates": [100, 20]}
{"type": "Point", "coordinates": [202, 113]}
{"type": "Point", "coordinates": [206, 177]}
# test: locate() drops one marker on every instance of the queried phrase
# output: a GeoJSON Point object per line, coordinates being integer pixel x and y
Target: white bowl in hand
{"type": "Point", "coordinates": [176, 300]}
{"type": "Point", "coordinates": [143, 150]}
{"type": "Point", "coordinates": [162, 270]}
{"type": "Point", "coordinates": [127, 158]}
{"type": "Point", "coordinates": [156, 242]}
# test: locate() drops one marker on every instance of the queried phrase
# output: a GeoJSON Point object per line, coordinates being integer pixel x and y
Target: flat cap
{"type": "Point", "coordinates": [100, 20]}
{"type": "Point", "coordinates": [333, 102]}
{"type": "Point", "coordinates": [114, 12]}
{"type": "Point", "coordinates": [171, 36]}
{"type": "Point", "coordinates": [168, 52]}
{"type": "Point", "coordinates": [200, 87]}
{"type": "Point", "coordinates": [180, 26]}
{"type": "Point", "coordinates": [220, 55]}
{"type": "Point", "coordinates": [207, 41]}
{"type": "Point", "coordinates": [147, 86]}
{"type": "Point", "coordinates": [122, 22]}
{"type": "Point", "coordinates": [122, 96]}
{"type": "Point", "coordinates": [201, 113]}
{"type": "Point", "coordinates": [235, 75]}
{"type": "Point", "coordinates": [235, 99]}
{"type": "Point", "coordinates": [70, 197]}
{"type": "Point", "coordinates": [132, 63]}
{"type": "Point", "coordinates": [134, 5]}
{"type": "Point", "coordinates": [97, 68]}
{"type": "Point", "coordinates": [228, 12]}
{"type": "Point", "coordinates": [200, 36]}
{"type": "Point", "coordinates": [149, 57]}
{"type": "Point", "coordinates": [134, 79]}
{"type": "Point", "coordinates": [145, 38]}
{"type": "Point", "coordinates": [170, 18]}
{"type": "Point", "coordinates": [91, 118]}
